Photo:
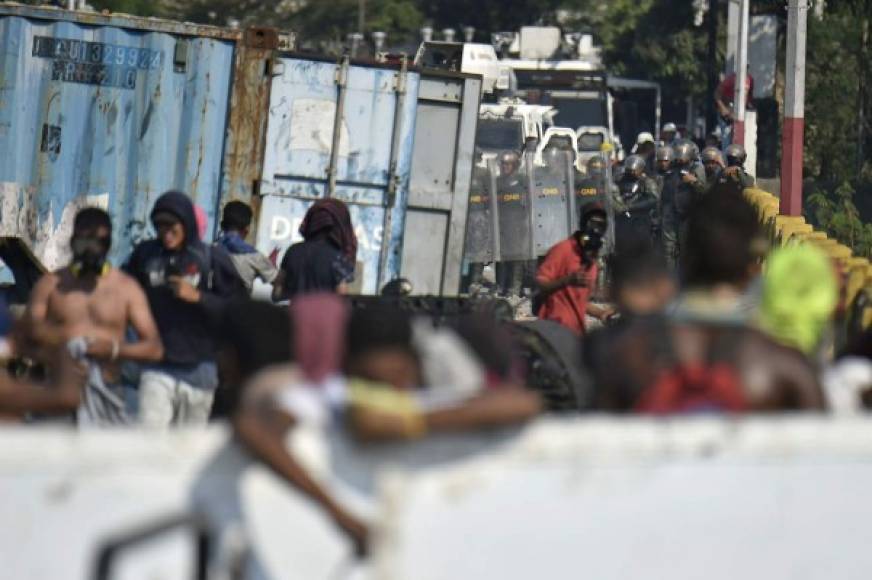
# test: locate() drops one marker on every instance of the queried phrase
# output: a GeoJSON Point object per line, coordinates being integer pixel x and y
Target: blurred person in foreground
{"type": "Point", "coordinates": [362, 373]}
{"type": "Point", "coordinates": [187, 283]}
{"type": "Point", "coordinates": [88, 306]}
{"type": "Point", "coordinates": [60, 394]}
{"type": "Point", "coordinates": [250, 264]}
{"type": "Point", "coordinates": [703, 356]}
{"type": "Point", "coordinates": [569, 271]}
{"type": "Point", "coordinates": [325, 260]}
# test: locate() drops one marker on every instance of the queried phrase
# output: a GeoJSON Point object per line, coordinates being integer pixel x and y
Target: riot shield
{"type": "Point", "coordinates": [513, 211]}
{"type": "Point", "coordinates": [552, 199]}
{"type": "Point", "coordinates": [608, 185]}
{"type": "Point", "coordinates": [480, 218]}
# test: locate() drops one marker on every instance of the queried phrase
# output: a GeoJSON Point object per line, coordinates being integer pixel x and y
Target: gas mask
{"type": "Point", "coordinates": [592, 238]}
{"type": "Point", "coordinates": [89, 254]}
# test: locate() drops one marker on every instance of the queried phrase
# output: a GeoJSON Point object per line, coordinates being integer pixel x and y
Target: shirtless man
{"type": "Point", "coordinates": [89, 304]}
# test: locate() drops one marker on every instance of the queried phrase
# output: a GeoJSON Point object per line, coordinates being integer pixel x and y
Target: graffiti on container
{"type": "Point", "coordinates": [287, 230]}
{"type": "Point", "coordinates": [48, 240]}
{"type": "Point", "coordinates": [95, 63]}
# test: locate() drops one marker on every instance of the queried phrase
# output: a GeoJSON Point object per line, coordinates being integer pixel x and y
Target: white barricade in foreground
{"type": "Point", "coordinates": [594, 498]}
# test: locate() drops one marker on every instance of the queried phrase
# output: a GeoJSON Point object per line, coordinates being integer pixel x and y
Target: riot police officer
{"type": "Point", "coordinates": [713, 163]}
{"type": "Point", "coordinates": [591, 188]}
{"type": "Point", "coordinates": [684, 185]}
{"type": "Point", "coordinates": [734, 174]}
{"type": "Point", "coordinates": [635, 202]}
{"type": "Point", "coordinates": [663, 158]}
{"type": "Point", "coordinates": [669, 134]}
{"type": "Point", "coordinates": [513, 202]}
{"type": "Point", "coordinates": [479, 224]}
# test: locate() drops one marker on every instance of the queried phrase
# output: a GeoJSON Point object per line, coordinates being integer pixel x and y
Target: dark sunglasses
{"type": "Point", "coordinates": [164, 222]}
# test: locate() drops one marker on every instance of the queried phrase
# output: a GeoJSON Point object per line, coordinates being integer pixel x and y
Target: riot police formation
{"type": "Point", "coordinates": [635, 202]}
{"type": "Point", "coordinates": [681, 187]}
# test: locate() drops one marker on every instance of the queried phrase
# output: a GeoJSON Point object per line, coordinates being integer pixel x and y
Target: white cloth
{"type": "Point", "coordinates": [165, 400]}
{"type": "Point", "coordinates": [843, 384]}
{"type": "Point", "coordinates": [102, 405]}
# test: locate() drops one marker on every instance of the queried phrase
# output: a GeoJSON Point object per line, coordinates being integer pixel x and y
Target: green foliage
{"type": "Point", "coordinates": [837, 214]}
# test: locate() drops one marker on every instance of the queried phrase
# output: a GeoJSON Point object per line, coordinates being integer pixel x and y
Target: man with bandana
{"type": "Point", "coordinates": [89, 305]}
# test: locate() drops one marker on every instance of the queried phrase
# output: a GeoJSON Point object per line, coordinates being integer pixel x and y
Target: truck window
{"type": "Point", "coordinates": [575, 113]}
{"type": "Point", "coordinates": [499, 134]}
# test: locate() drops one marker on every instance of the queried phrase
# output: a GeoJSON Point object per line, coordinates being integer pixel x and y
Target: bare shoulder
{"type": "Point", "coordinates": [124, 281]}
{"type": "Point", "coordinates": [269, 382]}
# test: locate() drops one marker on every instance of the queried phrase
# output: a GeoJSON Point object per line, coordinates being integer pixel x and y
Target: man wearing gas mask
{"type": "Point", "coordinates": [569, 272]}
{"type": "Point", "coordinates": [635, 202]}
{"type": "Point", "coordinates": [89, 306]}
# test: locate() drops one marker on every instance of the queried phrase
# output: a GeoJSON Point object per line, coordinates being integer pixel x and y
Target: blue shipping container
{"type": "Point", "coordinates": [106, 110]}
{"type": "Point", "coordinates": [346, 131]}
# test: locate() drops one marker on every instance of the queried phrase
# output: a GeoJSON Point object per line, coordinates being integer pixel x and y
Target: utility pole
{"type": "Point", "coordinates": [711, 57]}
{"type": "Point", "coordinates": [361, 16]}
{"type": "Point", "coordinates": [741, 94]}
{"type": "Point", "coordinates": [794, 110]}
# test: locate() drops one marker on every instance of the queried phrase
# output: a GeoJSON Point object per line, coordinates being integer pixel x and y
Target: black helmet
{"type": "Point", "coordinates": [596, 166]}
{"type": "Point", "coordinates": [712, 154]}
{"type": "Point", "coordinates": [736, 154]}
{"type": "Point", "coordinates": [634, 165]}
{"type": "Point", "coordinates": [685, 152]}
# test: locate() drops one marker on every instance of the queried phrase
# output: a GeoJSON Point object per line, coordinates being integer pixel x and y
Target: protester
{"type": "Point", "coordinates": [799, 298]}
{"type": "Point", "coordinates": [325, 260]}
{"type": "Point", "coordinates": [724, 98]}
{"type": "Point", "coordinates": [382, 399]}
{"type": "Point", "coordinates": [569, 271]}
{"type": "Point", "coordinates": [188, 283]}
{"type": "Point", "coordinates": [703, 356]}
{"type": "Point", "coordinates": [89, 306]}
{"type": "Point", "coordinates": [250, 264]}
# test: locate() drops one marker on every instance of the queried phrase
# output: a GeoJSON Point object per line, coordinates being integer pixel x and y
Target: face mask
{"type": "Point", "coordinates": [89, 255]}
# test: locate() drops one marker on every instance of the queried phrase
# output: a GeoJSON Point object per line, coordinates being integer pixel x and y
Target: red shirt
{"type": "Point", "coordinates": [727, 89]}
{"type": "Point", "coordinates": [567, 305]}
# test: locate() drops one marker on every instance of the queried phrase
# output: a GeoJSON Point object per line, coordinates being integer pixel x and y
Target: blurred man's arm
{"type": "Point", "coordinates": [61, 397]}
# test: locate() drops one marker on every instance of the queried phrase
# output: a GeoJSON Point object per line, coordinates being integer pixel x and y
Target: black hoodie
{"type": "Point", "coordinates": [187, 330]}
